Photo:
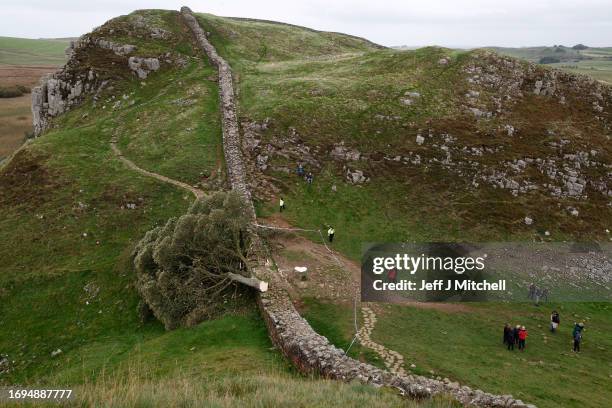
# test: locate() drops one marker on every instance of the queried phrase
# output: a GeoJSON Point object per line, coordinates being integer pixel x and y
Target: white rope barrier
{"type": "Point", "coordinates": [340, 264]}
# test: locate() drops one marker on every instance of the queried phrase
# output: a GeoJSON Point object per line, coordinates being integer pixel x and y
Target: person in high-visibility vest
{"type": "Point", "coordinates": [330, 233]}
{"type": "Point", "coordinates": [281, 204]}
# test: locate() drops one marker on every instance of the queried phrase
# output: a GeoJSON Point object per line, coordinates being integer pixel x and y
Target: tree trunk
{"type": "Point", "coordinates": [252, 282]}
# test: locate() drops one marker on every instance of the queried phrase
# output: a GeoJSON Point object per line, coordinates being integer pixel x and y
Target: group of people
{"type": "Point", "coordinates": [301, 172]}
{"type": "Point", "coordinates": [515, 336]}
{"type": "Point", "coordinates": [518, 335]}
{"type": "Point", "coordinates": [536, 294]}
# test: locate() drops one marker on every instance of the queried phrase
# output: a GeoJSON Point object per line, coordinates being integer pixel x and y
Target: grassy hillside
{"type": "Point", "coordinates": [25, 51]}
{"type": "Point", "coordinates": [431, 135]}
{"type": "Point", "coordinates": [595, 62]}
{"type": "Point", "coordinates": [68, 306]}
{"type": "Point", "coordinates": [358, 98]}
{"type": "Point", "coordinates": [364, 108]}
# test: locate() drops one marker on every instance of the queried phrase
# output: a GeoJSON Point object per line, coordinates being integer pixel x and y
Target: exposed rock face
{"type": "Point", "coordinates": [66, 88]}
{"type": "Point", "coordinates": [143, 66]}
{"type": "Point", "coordinates": [342, 152]}
{"type": "Point", "coordinates": [355, 176]}
{"type": "Point", "coordinates": [307, 350]}
{"type": "Point", "coordinates": [57, 93]}
{"type": "Point", "coordinates": [87, 40]}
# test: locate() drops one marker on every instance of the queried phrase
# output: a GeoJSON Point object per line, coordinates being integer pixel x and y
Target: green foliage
{"type": "Point", "coordinates": [182, 267]}
{"type": "Point", "coordinates": [549, 60]}
{"type": "Point", "coordinates": [13, 91]}
{"type": "Point", "coordinates": [185, 48]}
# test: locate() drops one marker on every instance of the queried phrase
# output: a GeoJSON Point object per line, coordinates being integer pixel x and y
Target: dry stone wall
{"type": "Point", "coordinates": [310, 352]}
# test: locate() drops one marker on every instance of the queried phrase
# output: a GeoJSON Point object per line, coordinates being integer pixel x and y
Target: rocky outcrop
{"type": "Point", "coordinates": [143, 66]}
{"type": "Point", "coordinates": [66, 88]}
{"type": "Point", "coordinates": [88, 41]}
{"type": "Point", "coordinates": [57, 93]}
{"type": "Point", "coordinates": [308, 351]}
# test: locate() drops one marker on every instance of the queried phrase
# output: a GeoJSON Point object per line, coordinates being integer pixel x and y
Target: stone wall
{"type": "Point", "coordinates": [310, 352]}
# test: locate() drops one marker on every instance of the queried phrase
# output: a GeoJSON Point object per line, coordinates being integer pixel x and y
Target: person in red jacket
{"type": "Point", "coordinates": [522, 335]}
{"type": "Point", "coordinates": [392, 275]}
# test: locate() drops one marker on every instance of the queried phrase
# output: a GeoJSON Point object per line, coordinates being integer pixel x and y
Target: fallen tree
{"type": "Point", "coordinates": [185, 268]}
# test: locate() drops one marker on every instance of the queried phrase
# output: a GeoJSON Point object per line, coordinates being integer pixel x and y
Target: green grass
{"type": "Point", "coordinates": [173, 128]}
{"type": "Point", "coordinates": [241, 390]}
{"type": "Point", "coordinates": [344, 96]}
{"type": "Point", "coordinates": [248, 41]}
{"type": "Point", "coordinates": [467, 347]}
{"type": "Point", "coordinates": [328, 98]}
{"type": "Point", "coordinates": [337, 324]}
{"type": "Point", "coordinates": [66, 235]}
{"type": "Point", "coordinates": [65, 228]}
{"type": "Point", "coordinates": [25, 51]}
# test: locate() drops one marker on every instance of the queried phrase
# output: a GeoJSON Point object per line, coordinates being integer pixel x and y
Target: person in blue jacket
{"type": "Point", "coordinates": [577, 336]}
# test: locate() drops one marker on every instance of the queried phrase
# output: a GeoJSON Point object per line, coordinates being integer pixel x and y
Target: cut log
{"type": "Point", "coordinates": [252, 282]}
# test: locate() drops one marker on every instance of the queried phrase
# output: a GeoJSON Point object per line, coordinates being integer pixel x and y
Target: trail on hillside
{"type": "Point", "coordinates": [324, 255]}
{"type": "Point", "coordinates": [393, 360]}
{"type": "Point", "coordinates": [321, 256]}
{"type": "Point", "coordinates": [195, 191]}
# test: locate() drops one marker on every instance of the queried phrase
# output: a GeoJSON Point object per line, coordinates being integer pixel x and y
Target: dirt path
{"type": "Point", "coordinates": [319, 259]}
{"type": "Point", "coordinates": [195, 191]}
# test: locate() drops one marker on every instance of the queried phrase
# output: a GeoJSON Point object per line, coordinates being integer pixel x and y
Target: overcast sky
{"type": "Point", "coordinates": [387, 22]}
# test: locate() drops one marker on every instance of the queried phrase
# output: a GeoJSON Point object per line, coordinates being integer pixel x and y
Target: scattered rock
{"type": "Point", "coordinates": [143, 66]}
{"type": "Point", "coordinates": [356, 176]}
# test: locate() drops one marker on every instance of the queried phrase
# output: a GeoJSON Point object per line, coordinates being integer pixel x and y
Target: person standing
{"type": "Point", "coordinates": [392, 275]}
{"type": "Point", "coordinates": [554, 321]}
{"type": "Point", "coordinates": [281, 204]}
{"type": "Point", "coordinates": [522, 335]}
{"type": "Point", "coordinates": [300, 170]}
{"type": "Point", "coordinates": [509, 336]}
{"type": "Point", "coordinates": [515, 333]}
{"type": "Point", "coordinates": [330, 234]}
{"type": "Point", "coordinates": [577, 335]}
{"type": "Point", "coordinates": [309, 178]}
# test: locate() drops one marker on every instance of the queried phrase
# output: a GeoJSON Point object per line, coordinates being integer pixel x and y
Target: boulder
{"type": "Point", "coordinates": [143, 66]}
{"type": "Point", "coordinates": [356, 176]}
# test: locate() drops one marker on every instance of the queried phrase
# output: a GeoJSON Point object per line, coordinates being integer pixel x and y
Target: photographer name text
{"type": "Point", "coordinates": [440, 285]}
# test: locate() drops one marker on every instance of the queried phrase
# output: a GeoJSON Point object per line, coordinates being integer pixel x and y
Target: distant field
{"type": "Point", "coordinates": [25, 51]}
{"type": "Point", "coordinates": [598, 69]}
{"type": "Point", "coordinates": [15, 121]}
{"type": "Point", "coordinates": [596, 62]}
{"type": "Point", "coordinates": [15, 113]}
{"type": "Point", "coordinates": [22, 62]}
